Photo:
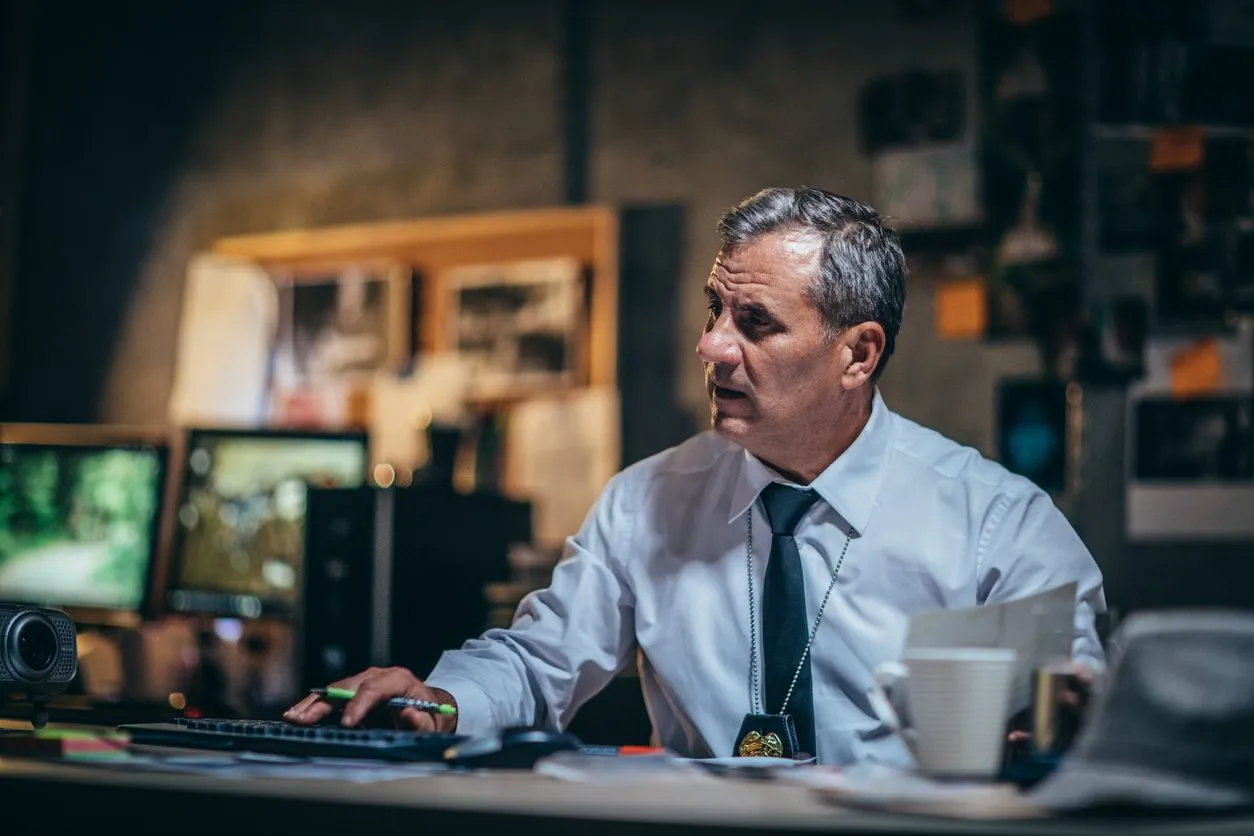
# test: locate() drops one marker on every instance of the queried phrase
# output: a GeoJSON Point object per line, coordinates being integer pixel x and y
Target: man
{"type": "Point", "coordinates": [805, 302]}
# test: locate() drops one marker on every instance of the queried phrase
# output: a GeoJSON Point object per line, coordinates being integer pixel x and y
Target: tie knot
{"type": "Point", "coordinates": [786, 506]}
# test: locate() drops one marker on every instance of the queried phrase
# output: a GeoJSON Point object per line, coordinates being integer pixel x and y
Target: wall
{"type": "Point", "coordinates": [289, 115]}
{"type": "Point", "coordinates": [154, 134]}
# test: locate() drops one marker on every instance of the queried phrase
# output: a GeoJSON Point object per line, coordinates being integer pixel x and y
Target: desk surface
{"type": "Point", "coordinates": [67, 797]}
{"type": "Point", "coordinates": [75, 797]}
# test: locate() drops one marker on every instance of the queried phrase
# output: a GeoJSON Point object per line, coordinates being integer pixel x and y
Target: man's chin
{"type": "Point", "coordinates": [731, 427]}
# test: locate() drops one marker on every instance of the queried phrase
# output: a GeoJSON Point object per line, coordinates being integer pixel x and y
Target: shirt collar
{"type": "Point", "coordinates": [850, 485]}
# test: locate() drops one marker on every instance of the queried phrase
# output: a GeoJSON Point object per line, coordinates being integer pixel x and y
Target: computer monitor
{"type": "Point", "coordinates": [80, 517]}
{"type": "Point", "coordinates": [239, 527]}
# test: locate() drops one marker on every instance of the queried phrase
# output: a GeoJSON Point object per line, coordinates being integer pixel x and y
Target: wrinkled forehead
{"type": "Point", "coordinates": [787, 260]}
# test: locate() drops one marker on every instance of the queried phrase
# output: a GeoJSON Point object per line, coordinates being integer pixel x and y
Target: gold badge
{"type": "Point", "coordinates": [754, 745]}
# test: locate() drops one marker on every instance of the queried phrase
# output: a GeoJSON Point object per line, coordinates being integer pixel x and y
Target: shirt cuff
{"type": "Point", "coordinates": [474, 709]}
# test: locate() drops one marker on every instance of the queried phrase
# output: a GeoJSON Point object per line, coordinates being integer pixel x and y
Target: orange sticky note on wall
{"type": "Point", "coordinates": [1178, 149]}
{"type": "Point", "coordinates": [1196, 369]}
{"type": "Point", "coordinates": [961, 309]}
{"type": "Point", "coordinates": [1020, 12]}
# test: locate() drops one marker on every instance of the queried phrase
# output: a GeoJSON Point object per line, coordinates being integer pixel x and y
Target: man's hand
{"type": "Point", "coordinates": [1073, 700]}
{"type": "Point", "coordinates": [376, 686]}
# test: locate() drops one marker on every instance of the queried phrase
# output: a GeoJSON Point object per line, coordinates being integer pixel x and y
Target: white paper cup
{"type": "Point", "coordinates": [959, 701]}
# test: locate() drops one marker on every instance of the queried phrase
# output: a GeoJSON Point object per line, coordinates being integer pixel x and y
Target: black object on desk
{"type": "Point", "coordinates": [396, 576]}
{"type": "Point", "coordinates": [512, 748]}
{"type": "Point", "coordinates": [278, 738]}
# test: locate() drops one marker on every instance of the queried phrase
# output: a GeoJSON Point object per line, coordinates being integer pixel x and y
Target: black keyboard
{"type": "Point", "coordinates": [279, 738]}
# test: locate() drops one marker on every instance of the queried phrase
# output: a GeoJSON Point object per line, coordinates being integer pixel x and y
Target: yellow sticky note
{"type": "Point", "coordinates": [1022, 12]}
{"type": "Point", "coordinates": [961, 309]}
{"type": "Point", "coordinates": [1178, 149]}
{"type": "Point", "coordinates": [1196, 369]}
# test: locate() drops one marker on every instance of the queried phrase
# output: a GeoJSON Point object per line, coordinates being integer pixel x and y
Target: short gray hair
{"type": "Point", "coordinates": [862, 277]}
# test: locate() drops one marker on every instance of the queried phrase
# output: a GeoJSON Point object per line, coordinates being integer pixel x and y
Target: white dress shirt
{"type": "Point", "coordinates": [660, 566]}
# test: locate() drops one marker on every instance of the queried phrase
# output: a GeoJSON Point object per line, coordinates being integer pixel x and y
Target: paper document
{"type": "Point", "coordinates": [874, 786]}
{"type": "Point", "coordinates": [1039, 628]}
{"type": "Point", "coordinates": [664, 768]}
{"type": "Point", "coordinates": [225, 337]}
{"type": "Point", "coordinates": [253, 765]}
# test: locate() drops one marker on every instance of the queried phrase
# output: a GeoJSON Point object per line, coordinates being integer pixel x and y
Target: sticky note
{"type": "Point", "coordinates": [1178, 149]}
{"type": "Point", "coordinates": [1021, 12]}
{"type": "Point", "coordinates": [1196, 369]}
{"type": "Point", "coordinates": [961, 309]}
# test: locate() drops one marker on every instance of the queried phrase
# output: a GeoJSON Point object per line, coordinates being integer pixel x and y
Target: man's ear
{"type": "Point", "coordinates": [863, 346]}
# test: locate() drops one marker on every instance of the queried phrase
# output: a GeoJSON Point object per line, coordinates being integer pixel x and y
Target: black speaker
{"type": "Point", "coordinates": [335, 629]}
{"type": "Point", "coordinates": [38, 655]}
{"type": "Point", "coordinates": [396, 577]}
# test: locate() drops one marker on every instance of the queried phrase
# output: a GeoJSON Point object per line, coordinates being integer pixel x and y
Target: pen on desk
{"type": "Point", "coordinates": [394, 702]}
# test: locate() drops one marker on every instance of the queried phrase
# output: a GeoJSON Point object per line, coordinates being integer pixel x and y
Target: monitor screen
{"type": "Point", "coordinates": [239, 533]}
{"type": "Point", "coordinates": [79, 525]}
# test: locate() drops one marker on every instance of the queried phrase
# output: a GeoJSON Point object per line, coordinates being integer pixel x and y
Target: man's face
{"type": "Point", "coordinates": [772, 375]}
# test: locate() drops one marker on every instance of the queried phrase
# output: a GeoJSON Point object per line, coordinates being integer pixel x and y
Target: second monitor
{"type": "Point", "coordinates": [239, 533]}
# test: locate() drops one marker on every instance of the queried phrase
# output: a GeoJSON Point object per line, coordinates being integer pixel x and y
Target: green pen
{"type": "Point", "coordinates": [396, 702]}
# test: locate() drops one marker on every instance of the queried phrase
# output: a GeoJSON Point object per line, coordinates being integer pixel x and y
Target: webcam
{"type": "Point", "coordinates": [38, 656]}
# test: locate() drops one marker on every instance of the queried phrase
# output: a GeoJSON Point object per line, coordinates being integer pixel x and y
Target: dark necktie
{"type": "Point", "coordinates": [784, 627]}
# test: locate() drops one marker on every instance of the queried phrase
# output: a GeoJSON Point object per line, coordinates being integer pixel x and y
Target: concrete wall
{"type": "Point", "coordinates": [288, 115]}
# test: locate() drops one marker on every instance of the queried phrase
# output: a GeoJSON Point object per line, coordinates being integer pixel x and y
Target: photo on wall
{"type": "Point", "coordinates": [342, 323]}
{"type": "Point", "coordinates": [517, 326]}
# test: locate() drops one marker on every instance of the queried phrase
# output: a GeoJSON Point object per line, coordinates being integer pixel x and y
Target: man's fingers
{"type": "Point", "coordinates": [314, 713]}
{"type": "Point", "coordinates": [381, 686]}
{"type": "Point", "coordinates": [313, 707]}
{"type": "Point", "coordinates": [412, 718]}
{"type": "Point", "coordinates": [309, 710]}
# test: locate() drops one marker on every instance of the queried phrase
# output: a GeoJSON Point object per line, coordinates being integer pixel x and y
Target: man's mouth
{"type": "Point", "coordinates": [727, 394]}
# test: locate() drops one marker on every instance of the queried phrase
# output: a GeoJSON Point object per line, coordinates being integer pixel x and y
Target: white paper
{"type": "Point", "coordinates": [870, 785]}
{"type": "Point", "coordinates": [229, 317]}
{"type": "Point", "coordinates": [585, 768]}
{"type": "Point", "coordinates": [250, 766]}
{"type": "Point", "coordinates": [1039, 628]}
{"type": "Point", "coordinates": [561, 452]}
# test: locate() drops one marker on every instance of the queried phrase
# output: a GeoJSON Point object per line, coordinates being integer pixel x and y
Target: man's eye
{"type": "Point", "coordinates": [715, 306]}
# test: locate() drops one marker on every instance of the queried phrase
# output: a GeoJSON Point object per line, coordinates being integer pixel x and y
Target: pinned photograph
{"type": "Point", "coordinates": [517, 326]}
{"type": "Point", "coordinates": [350, 322]}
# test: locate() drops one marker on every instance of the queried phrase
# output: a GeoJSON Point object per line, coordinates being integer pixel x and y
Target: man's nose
{"type": "Point", "coordinates": [718, 346]}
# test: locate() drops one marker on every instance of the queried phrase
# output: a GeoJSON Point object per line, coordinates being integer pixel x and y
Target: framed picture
{"type": "Point", "coordinates": [518, 326]}
{"type": "Point", "coordinates": [342, 323]}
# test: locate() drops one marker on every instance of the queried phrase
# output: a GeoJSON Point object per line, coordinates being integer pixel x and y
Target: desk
{"type": "Point", "coordinates": [83, 799]}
